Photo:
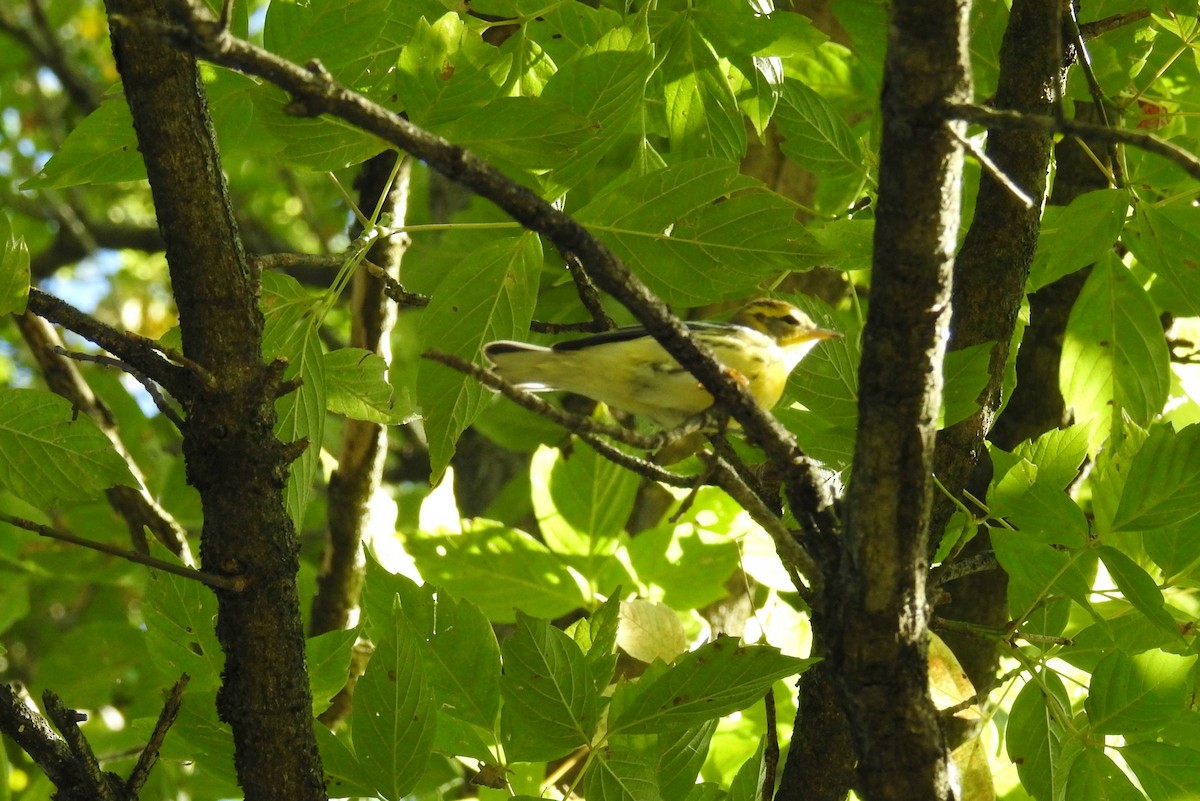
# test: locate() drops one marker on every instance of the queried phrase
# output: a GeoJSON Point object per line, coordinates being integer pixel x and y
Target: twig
{"type": "Point", "coordinates": [1012, 120]}
{"type": "Point", "coordinates": [151, 388]}
{"type": "Point", "coordinates": [588, 294]}
{"type": "Point", "coordinates": [1071, 20]}
{"type": "Point", "coordinates": [139, 509]}
{"type": "Point", "coordinates": [144, 354]}
{"type": "Point", "coordinates": [790, 551]}
{"type": "Point", "coordinates": [952, 571]}
{"type": "Point", "coordinates": [1091, 30]}
{"type": "Point", "coordinates": [771, 751]}
{"type": "Point", "coordinates": [235, 583]}
{"type": "Point", "coordinates": [33, 734]}
{"type": "Point", "coordinates": [141, 771]}
{"type": "Point", "coordinates": [67, 721]}
{"type": "Point", "coordinates": [990, 167]}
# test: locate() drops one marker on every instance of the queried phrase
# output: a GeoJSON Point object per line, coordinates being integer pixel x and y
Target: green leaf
{"type": "Point", "coordinates": [459, 649]}
{"type": "Point", "coordinates": [463, 662]}
{"type": "Point", "coordinates": [1164, 239]}
{"type": "Point", "coordinates": [691, 568]}
{"type": "Point", "coordinates": [817, 138]}
{"type": "Point", "coordinates": [445, 71]}
{"type": "Point", "coordinates": [102, 149]}
{"type": "Point", "coordinates": [1095, 777]}
{"type": "Point", "coordinates": [328, 658]}
{"type": "Point", "coordinates": [357, 42]}
{"type": "Point", "coordinates": [550, 702]}
{"type": "Point", "coordinates": [488, 295]}
{"type": "Point", "coordinates": [1036, 507]}
{"type": "Point", "coordinates": [596, 635]}
{"type": "Point", "coordinates": [964, 375]}
{"type": "Point", "coordinates": [1138, 694]}
{"type": "Point", "coordinates": [1037, 570]}
{"type": "Point", "coordinates": [1166, 772]}
{"type": "Point", "coordinates": [713, 681]}
{"type": "Point", "coordinates": [501, 570]}
{"type": "Point", "coordinates": [291, 334]}
{"type": "Point", "coordinates": [51, 453]}
{"type": "Point", "coordinates": [604, 83]}
{"type": "Point", "coordinates": [179, 628]}
{"type": "Point", "coordinates": [528, 132]}
{"type": "Point", "coordinates": [1114, 358]}
{"type": "Point", "coordinates": [1138, 587]}
{"type": "Point", "coordinates": [1057, 454]}
{"type": "Point", "coordinates": [683, 755]}
{"type": "Point", "coordinates": [343, 773]}
{"type": "Point", "coordinates": [701, 219]}
{"type": "Point", "coordinates": [199, 736]}
{"type": "Point", "coordinates": [1077, 235]}
{"type": "Point", "coordinates": [593, 495]}
{"type": "Point", "coordinates": [14, 270]}
{"type": "Point", "coordinates": [1035, 733]}
{"type": "Point", "coordinates": [394, 721]}
{"type": "Point", "coordinates": [1162, 487]}
{"type": "Point", "coordinates": [703, 118]}
{"type": "Point", "coordinates": [356, 380]}
{"type": "Point", "coordinates": [747, 782]}
{"type": "Point", "coordinates": [320, 143]}
{"type": "Point", "coordinates": [620, 774]}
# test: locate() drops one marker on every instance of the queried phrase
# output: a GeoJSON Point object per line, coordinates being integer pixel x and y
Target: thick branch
{"type": "Point", "coordinates": [878, 627]}
{"type": "Point", "coordinates": [989, 282]}
{"type": "Point", "coordinates": [232, 455]}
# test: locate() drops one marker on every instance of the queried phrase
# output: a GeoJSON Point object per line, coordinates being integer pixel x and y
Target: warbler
{"type": "Point", "coordinates": [627, 369]}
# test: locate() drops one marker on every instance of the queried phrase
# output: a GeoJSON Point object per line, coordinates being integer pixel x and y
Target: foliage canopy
{"type": "Point", "coordinates": [526, 625]}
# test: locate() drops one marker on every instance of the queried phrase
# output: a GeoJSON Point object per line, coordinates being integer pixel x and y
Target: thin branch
{"type": "Point", "coordinates": [151, 388]}
{"type": "Point", "coordinates": [33, 734]}
{"type": "Point", "coordinates": [139, 509]}
{"type": "Point", "coordinates": [1012, 120]}
{"type": "Point", "coordinates": [588, 294]}
{"type": "Point", "coordinates": [952, 571]}
{"type": "Point", "coordinates": [144, 354]}
{"type": "Point", "coordinates": [67, 720]}
{"type": "Point", "coordinates": [990, 167]}
{"type": "Point", "coordinates": [141, 771]}
{"type": "Point", "coordinates": [771, 751]}
{"type": "Point", "coordinates": [1071, 20]}
{"type": "Point", "coordinates": [790, 551]}
{"type": "Point", "coordinates": [1099, 27]}
{"type": "Point", "coordinates": [235, 583]}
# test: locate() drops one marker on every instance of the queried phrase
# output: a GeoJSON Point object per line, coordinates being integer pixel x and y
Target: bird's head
{"type": "Point", "coordinates": [782, 322]}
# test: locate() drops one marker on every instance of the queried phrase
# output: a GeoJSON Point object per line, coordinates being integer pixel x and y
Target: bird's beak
{"type": "Point", "coordinates": [824, 333]}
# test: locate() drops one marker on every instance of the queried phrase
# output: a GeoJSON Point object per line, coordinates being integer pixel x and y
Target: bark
{"type": "Point", "coordinates": [233, 457]}
{"type": "Point", "coordinates": [876, 612]}
{"type": "Point", "coordinates": [989, 284]}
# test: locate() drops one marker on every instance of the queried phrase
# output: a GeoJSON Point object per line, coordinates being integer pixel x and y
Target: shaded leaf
{"type": "Point", "coordinates": [710, 682]}
{"type": "Point", "coordinates": [49, 452]}
{"type": "Point", "coordinates": [549, 698]}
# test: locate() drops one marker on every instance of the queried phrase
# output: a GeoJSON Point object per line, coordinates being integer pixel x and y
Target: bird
{"type": "Point", "coordinates": [628, 369]}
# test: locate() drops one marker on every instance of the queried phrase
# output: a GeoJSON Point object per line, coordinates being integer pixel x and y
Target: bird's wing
{"type": "Point", "coordinates": [627, 333]}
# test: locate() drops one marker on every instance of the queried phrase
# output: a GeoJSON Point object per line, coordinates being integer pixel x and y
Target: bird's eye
{"type": "Point", "coordinates": [790, 319]}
